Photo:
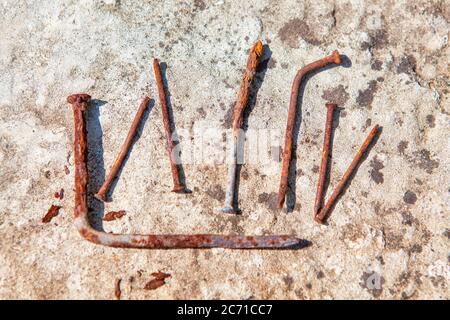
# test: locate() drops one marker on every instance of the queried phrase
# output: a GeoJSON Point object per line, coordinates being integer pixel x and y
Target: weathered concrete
{"type": "Point", "coordinates": [386, 238]}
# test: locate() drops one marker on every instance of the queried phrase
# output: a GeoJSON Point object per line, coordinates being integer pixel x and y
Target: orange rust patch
{"type": "Point", "coordinates": [60, 194]}
{"type": "Point", "coordinates": [154, 284]}
{"type": "Point", "coordinates": [160, 275]}
{"type": "Point", "coordinates": [117, 291]}
{"type": "Point", "coordinates": [158, 281]}
{"type": "Point", "coordinates": [113, 215]}
{"type": "Point", "coordinates": [51, 213]}
{"type": "Point", "coordinates": [88, 235]}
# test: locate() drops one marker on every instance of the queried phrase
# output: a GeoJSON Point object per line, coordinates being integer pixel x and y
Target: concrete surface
{"type": "Point", "coordinates": [386, 238]}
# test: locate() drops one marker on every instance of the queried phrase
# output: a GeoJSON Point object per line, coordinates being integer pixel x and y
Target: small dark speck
{"type": "Point", "coordinates": [376, 173]}
{"type": "Point", "coordinates": [402, 146]}
{"type": "Point", "coordinates": [366, 96]}
{"type": "Point", "coordinates": [431, 121]}
{"type": "Point", "coordinates": [377, 65]}
{"type": "Point", "coordinates": [202, 112]}
{"type": "Point", "coordinates": [288, 280]}
{"type": "Point", "coordinates": [272, 63]}
{"type": "Point", "coordinates": [447, 233]}
{"type": "Point", "coordinates": [320, 275]}
{"type": "Point", "coordinates": [380, 259]}
{"type": "Point", "coordinates": [407, 219]}
{"type": "Point", "coordinates": [410, 197]}
{"type": "Point", "coordinates": [407, 65]}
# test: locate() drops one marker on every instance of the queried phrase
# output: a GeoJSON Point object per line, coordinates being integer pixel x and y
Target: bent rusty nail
{"type": "Point", "coordinates": [178, 186]}
{"type": "Point", "coordinates": [238, 114]}
{"type": "Point", "coordinates": [341, 184]}
{"type": "Point", "coordinates": [287, 152]}
{"type": "Point", "coordinates": [101, 194]}
{"type": "Point", "coordinates": [152, 241]}
{"type": "Point", "coordinates": [325, 154]}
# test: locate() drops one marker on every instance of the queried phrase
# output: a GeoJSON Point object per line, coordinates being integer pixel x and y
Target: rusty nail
{"type": "Point", "coordinates": [238, 114]}
{"type": "Point", "coordinates": [178, 186]}
{"type": "Point", "coordinates": [101, 194]}
{"type": "Point", "coordinates": [341, 184]}
{"type": "Point", "coordinates": [152, 241]}
{"type": "Point", "coordinates": [287, 152]}
{"type": "Point", "coordinates": [325, 154]}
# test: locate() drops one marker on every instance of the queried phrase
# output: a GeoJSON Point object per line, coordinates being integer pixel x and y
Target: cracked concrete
{"type": "Point", "coordinates": [386, 238]}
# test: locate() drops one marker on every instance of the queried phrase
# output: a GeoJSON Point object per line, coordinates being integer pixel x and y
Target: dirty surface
{"type": "Point", "coordinates": [388, 235]}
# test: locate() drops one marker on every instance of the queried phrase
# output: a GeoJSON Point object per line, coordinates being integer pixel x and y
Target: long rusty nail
{"type": "Point", "coordinates": [178, 186]}
{"type": "Point", "coordinates": [287, 152]}
{"type": "Point", "coordinates": [152, 241]}
{"type": "Point", "coordinates": [101, 194]}
{"type": "Point", "coordinates": [238, 114]}
{"type": "Point", "coordinates": [325, 154]}
{"type": "Point", "coordinates": [341, 184]}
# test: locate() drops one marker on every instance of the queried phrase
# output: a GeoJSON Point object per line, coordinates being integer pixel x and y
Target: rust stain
{"type": "Point", "coordinates": [60, 194]}
{"type": "Point", "coordinates": [51, 213]}
{"type": "Point", "coordinates": [154, 284]}
{"type": "Point", "coordinates": [117, 291]}
{"type": "Point", "coordinates": [160, 275]}
{"type": "Point", "coordinates": [114, 215]}
{"type": "Point", "coordinates": [158, 281]}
